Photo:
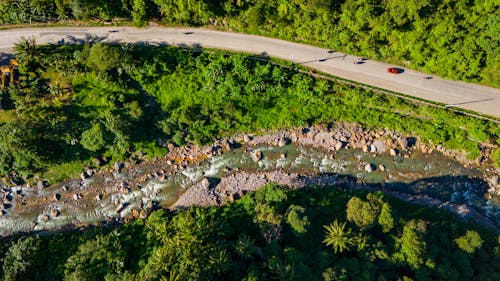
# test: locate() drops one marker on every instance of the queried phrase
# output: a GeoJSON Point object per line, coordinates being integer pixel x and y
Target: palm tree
{"type": "Point", "coordinates": [361, 241]}
{"type": "Point", "coordinates": [172, 276]}
{"type": "Point", "coordinates": [25, 49]}
{"type": "Point", "coordinates": [338, 236]}
{"type": "Point", "coordinates": [245, 247]}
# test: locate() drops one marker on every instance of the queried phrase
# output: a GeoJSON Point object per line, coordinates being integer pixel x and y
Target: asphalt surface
{"type": "Point", "coordinates": [481, 99]}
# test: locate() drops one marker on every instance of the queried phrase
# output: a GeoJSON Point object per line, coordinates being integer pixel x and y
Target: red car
{"type": "Point", "coordinates": [393, 70]}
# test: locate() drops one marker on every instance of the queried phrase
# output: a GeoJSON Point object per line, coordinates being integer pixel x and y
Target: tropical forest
{"type": "Point", "coordinates": [205, 156]}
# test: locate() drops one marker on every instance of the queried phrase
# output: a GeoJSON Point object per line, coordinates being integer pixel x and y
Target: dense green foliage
{"type": "Point", "coordinates": [236, 242]}
{"type": "Point", "coordinates": [457, 39]}
{"type": "Point", "coordinates": [76, 102]}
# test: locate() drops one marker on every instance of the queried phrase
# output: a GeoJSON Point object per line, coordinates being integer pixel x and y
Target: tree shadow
{"type": "Point", "coordinates": [5, 58]}
{"type": "Point", "coordinates": [87, 39]}
{"type": "Point", "coordinates": [461, 195]}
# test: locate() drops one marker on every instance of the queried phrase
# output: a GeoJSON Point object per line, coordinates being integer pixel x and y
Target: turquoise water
{"type": "Point", "coordinates": [423, 174]}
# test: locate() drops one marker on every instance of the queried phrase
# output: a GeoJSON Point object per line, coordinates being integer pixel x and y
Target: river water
{"type": "Point", "coordinates": [432, 175]}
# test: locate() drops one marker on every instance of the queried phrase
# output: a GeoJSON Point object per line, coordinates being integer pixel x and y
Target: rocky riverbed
{"type": "Point", "coordinates": [343, 155]}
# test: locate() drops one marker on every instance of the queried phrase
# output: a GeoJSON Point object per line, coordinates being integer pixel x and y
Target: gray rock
{"type": "Point", "coordinates": [98, 197]}
{"type": "Point", "coordinates": [118, 166]}
{"type": "Point", "coordinates": [380, 146]}
{"type": "Point", "coordinates": [404, 143]}
{"type": "Point", "coordinates": [494, 180]}
{"type": "Point", "coordinates": [393, 152]}
{"type": "Point", "coordinates": [57, 196]}
{"type": "Point", "coordinates": [41, 184]}
{"type": "Point", "coordinates": [370, 168]}
{"type": "Point", "coordinates": [89, 173]}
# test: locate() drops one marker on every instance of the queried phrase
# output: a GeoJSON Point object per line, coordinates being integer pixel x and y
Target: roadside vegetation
{"type": "Point", "coordinates": [275, 233]}
{"type": "Point", "coordinates": [77, 103]}
{"type": "Point", "coordinates": [456, 39]}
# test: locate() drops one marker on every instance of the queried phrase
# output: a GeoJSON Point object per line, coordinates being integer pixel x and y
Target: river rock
{"type": "Point", "coordinates": [205, 183]}
{"type": "Point", "coordinates": [370, 168]}
{"type": "Point", "coordinates": [149, 206]}
{"type": "Point", "coordinates": [404, 143]}
{"type": "Point", "coordinates": [41, 184]}
{"type": "Point", "coordinates": [120, 207]}
{"type": "Point", "coordinates": [64, 188]}
{"type": "Point", "coordinates": [98, 197]}
{"type": "Point", "coordinates": [283, 141]}
{"type": "Point", "coordinates": [494, 180]}
{"type": "Point", "coordinates": [135, 213]}
{"type": "Point", "coordinates": [424, 149]}
{"type": "Point", "coordinates": [123, 184]}
{"type": "Point", "coordinates": [89, 173]}
{"type": "Point", "coordinates": [57, 197]}
{"type": "Point", "coordinates": [256, 156]}
{"type": "Point", "coordinates": [55, 213]}
{"type": "Point", "coordinates": [247, 138]}
{"type": "Point", "coordinates": [338, 145]}
{"type": "Point", "coordinates": [283, 156]}
{"type": "Point", "coordinates": [393, 152]}
{"type": "Point", "coordinates": [381, 167]}
{"type": "Point", "coordinates": [118, 166]}
{"type": "Point", "coordinates": [378, 146]}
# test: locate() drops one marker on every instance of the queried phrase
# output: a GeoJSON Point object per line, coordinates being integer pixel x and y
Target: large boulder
{"type": "Point", "coordinates": [404, 143]}
{"type": "Point", "coordinates": [370, 168]}
{"type": "Point", "coordinates": [205, 183]}
{"type": "Point", "coordinates": [256, 156]}
{"type": "Point", "coordinates": [283, 141]}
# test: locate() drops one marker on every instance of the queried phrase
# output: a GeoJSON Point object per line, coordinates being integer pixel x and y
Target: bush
{"type": "Point", "coordinates": [297, 219]}
{"type": "Point", "coordinates": [469, 242]}
{"type": "Point", "coordinates": [93, 138]}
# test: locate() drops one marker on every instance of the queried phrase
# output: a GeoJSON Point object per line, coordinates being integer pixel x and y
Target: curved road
{"type": "Point", "coordinates": [481, 99]}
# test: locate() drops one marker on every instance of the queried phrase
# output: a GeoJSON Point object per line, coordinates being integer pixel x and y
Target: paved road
{"type": "Point", "coordinates": [481, 99]}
